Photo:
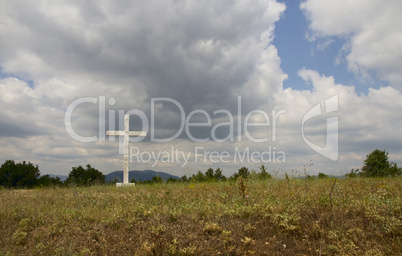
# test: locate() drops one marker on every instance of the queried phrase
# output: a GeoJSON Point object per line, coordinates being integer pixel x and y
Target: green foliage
{"type": "Point", "coordinates": [209, 174]}
{"type": "Point", "coordinates": [264, 175]}
{"type": "Point", "coordinates": [353, 173]}
{"type": "Point", "coordinates": [218, 175]}
{"type": "Point", "coordinates": [184, 178]}
{"type": "Point", "coordinates": [394, 170]}
{"type": "Point", "coordinates": [199, 177]}
{"type": "Point", "coordinates": [242, 172]}
{"type": "Point", "coordinates": [322, 175]}
{"type": "Point", "coordinates": [172, 180]}
{"type": "Point", "coordinates": [85, 177]}
{"type": "Point", "coordinates": [377, 165]}
{"type": "Point", "coordinates": [157, 179]}
{"type": "Point", "coordinates": [21, 175]}
{"type": "Point", "coordinates": [47, 181]}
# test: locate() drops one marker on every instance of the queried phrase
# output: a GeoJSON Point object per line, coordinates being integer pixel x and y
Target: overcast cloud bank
{"type": "Point", "coordinates": [204, 55]}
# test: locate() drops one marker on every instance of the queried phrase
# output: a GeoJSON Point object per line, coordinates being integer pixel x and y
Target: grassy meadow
{"type": "Point", "coordinates": [358, 216]}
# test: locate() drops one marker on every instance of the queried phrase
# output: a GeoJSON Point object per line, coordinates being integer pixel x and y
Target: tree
{"type": "Point", "coordinates": [172, 180]}
{"type": "Point", "coordinates": [263, 175]}
{"type": "Point", "coordinates": [377, 165]}
{"type": "Point", "coordinates": [156, 179]}
{"type": "Point", "coordinates": [242, 172]}
{"type": "Point", "coordinates": [218, 175]}
{"type": "Point", "coordinates": [353, 173]}
{"type": "Point", "coordinates": [21, 175]}
{"type": "Point", "coordinates": [209, 174]}
{"type": "Point", "coordinates": [394, 170]}
{"type": "Point", "coordinates": [199, 177]}
{"type": "Point", "coordinates": [322, 175]}
{"type": "Point", "coordinates": [47, 181]}
{"type": "Point", "coordinates": [184, 178]}
{"type": "Point", "coordinates": [82, 177]}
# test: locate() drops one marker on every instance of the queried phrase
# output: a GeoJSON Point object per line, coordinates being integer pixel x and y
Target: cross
{"type": "Point", "coordinates": [126, 133]}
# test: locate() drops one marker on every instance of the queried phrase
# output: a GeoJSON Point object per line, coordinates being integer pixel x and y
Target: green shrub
{"type": "Point", "coordinates": [377, 165]}
{"type": "Point", "coordinates": [19, 175]}
{"type": "Point", "coordinates": [85, 177]}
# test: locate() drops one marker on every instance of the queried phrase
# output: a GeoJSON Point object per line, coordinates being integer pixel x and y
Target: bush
{"type": "Point", "coordinates": [377, 165]}
{"type": "Point", "coordinates": [218, 175]}
{"type": "Point", "coordinates": [394, 170]}
{"type": "Point", "coordinates": [264, 175]}
{"type": "Point", "coordinates": [184, 178]}
{"type": "Point", "coordinates": [172, 180]}
{"type": "Point", "coordinates": [21, 175]}
{"type": "Point", "coordinates": [199, 177]}
{"type": "Point", "coordinates": [47, 181]}
{"type": "Point", "coordinates": [353, 173]}
{"type": "Point", "coordinates": [209, 174]}
{"type": "Point", "coordinates": [156, 179]}
{"type": "Point", "coordinates": [85, 177]}
{"type": "Point", "coordinates": [322, 175]}
{"type": "Point", "coordinates": [242, 172]}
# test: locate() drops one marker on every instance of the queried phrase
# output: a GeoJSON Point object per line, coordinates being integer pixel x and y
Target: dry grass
{"type": "Point", "coordinates": [274, 217]}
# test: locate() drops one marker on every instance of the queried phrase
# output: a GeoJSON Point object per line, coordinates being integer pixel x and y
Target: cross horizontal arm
{"type": "Point", "coordinates": [115, 133]}
{"type": "Point", "coordinates": [137, 133]}
{"type": "Point", "coordinates": [130, 133]}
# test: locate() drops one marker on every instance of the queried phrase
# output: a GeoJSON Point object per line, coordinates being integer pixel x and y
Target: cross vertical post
{"type": "Point", "coordinates": [126, 141]}
{"type": "Point", "coordinates": [126, 133]}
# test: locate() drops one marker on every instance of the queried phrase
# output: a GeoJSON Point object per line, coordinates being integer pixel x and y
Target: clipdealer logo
{"type": "Point", "coordinates": [186, 124]}
{"type": "Point", "coordinates": [243, 123]}
{"type": "Point", "coordinates": [330, 150]}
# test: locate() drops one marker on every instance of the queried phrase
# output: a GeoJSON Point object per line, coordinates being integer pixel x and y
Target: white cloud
{"type": "Point", "coordinates": [366, 122]}
{"type": "Point", "coordinates": [372, 30]}
{"type": "Point", "coordinates": [201, 53]}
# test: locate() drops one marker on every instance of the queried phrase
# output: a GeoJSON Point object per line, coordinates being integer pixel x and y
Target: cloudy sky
{"type": "Point", "coordinates": [321, 78]}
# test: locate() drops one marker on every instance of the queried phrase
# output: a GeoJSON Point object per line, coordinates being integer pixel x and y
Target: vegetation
{"type": "Point", "coordinates": [26, 175]}
{"type": "Point", "coordinates": [360, 216]}
{"type": "Point", "coordinates": [322, 175]}
{"type": "Point", "coordinates": [264, 174]}
{"type": "Point", "coordinates": [85, 177]}
{"type": "Point", "coordinates": [250, 213]}
{"type": "Point", "coordinates": [354, 173]}
{"type": "Point", "coordinates": [20, 175]}
{"type": "Point", "coordinates": [377, 165]}
{"type": "Point", "coordinates": [47, 181]}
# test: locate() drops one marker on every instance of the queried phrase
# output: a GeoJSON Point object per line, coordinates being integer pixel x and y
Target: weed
{"type": "Point", "coordinates": [348, 217]}
{"type": "Point", "coordinates": [212, 229]}
{"type": "Point", "coordinates": [242, 186]}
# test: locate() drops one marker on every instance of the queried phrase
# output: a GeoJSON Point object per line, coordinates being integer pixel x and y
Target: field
{"type": "Point", "coordinates": [274, 217]}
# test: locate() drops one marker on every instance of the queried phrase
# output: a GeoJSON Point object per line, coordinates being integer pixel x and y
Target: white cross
{"type": "Point", "coordinates": [126, 133]}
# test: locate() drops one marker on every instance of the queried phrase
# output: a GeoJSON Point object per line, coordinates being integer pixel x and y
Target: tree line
{"type": "Point", "coordinates": [27, 175]}
{"type": "Point", "coordinates": [376, 164]}
{"type": "Point", "coordinates": [216, 175]}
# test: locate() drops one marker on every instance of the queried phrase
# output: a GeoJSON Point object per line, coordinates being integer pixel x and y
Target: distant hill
{"type": "Point", "coordinates": [138, 175]}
